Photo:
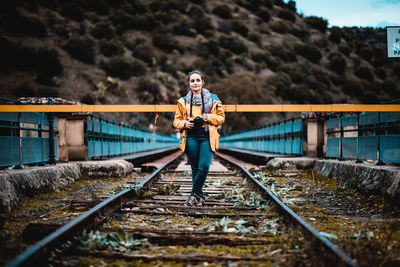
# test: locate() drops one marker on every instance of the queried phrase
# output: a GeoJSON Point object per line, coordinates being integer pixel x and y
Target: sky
{"type": "Point", "coordinates": [364, 13]}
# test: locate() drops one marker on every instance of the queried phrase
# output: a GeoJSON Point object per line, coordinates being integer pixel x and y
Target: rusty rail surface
{"type": "Point", "coordinates": [320, 244]}
{"type": "Point", "coordinates": [172, 205]}
{"type": "Point", "coordinates": [90, 219]}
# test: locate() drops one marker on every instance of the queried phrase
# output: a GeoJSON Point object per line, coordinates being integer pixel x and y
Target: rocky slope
{"type": "Point", "coordinates": [136, 51]}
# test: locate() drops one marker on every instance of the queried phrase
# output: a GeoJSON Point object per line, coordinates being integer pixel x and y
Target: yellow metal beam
{"type": "Point", "coordinates": [227, 108]}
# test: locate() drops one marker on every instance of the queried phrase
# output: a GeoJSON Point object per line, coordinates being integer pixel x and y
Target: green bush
{"type": "Point", "coordinates": [239, 27]}
{"type": "Point", "coordinates": [337, 64]}
{"type": "Point", "coordinates": [310, 52]}
{"type": "Point", "coordinates": [109, 48]}
{"type": "Point", "coordinates": [233, 44]}
{"type": "Point", "coordinates": [335, 35]}
{"type": "Point", "coordinates": [291, 5]}
{"type": "Point", "coordinates": [287, 15]}
{"type": "Point", "coordinates": [103, 30]}
{"type": "Point", "coordinates": [125, 67]}
{"type": "Point", "coordinates": [317, 23]}
{"type": "Point", "coordinates": [278, 26]}
{"type": "Point", "coordinates": [167, 43]}
{"type": "Point", "coordinates": [223, 11]}
{"type": "Point", "coordinates": [364, 73]}
{"type": "Point", "coordinates": [82, 49]}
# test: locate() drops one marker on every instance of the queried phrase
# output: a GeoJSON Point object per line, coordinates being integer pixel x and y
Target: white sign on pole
{"type": "Point", "coordinates": [393, 41]}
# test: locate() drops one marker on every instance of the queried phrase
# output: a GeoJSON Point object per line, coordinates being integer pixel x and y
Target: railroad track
{"type": "Point", "coordinates": [242, 222]}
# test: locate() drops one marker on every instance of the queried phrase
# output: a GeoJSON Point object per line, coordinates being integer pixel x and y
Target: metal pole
{"type": "Point", "coordinates": [52, 154]}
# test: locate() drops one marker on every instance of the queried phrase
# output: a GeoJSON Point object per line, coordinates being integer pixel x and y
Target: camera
{"type": "Point", "coordinates": [198, 122]}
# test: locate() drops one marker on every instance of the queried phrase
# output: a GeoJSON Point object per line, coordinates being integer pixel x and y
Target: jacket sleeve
{"type": "Point", "coordinates": [179, 120]}
{"type": "Point", "coordinates": [218, 117]}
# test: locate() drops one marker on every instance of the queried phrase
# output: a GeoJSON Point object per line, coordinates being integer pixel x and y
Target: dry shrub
{"type": "Point", "coordinates": [167, 43]}
{"type": "Point", "coordinates": [353, 88]}
{"type": "Point", "coordinates": [82, 49]}
{"type": "Point", "coordinates": [345, 49]}
{"type": "Point", "coordinates": [233, 44]}
{"type": "Point", "coordinates": [364, 72]}
{"type": "Point", "coordinates": [103, 30]}
{"type": "Point", "coordinates": [16, 23]}
{"type": "Point", "coordinates": [242, 88]}
{"type": "Point", "coordinates": [239, 27]}
{"type": "Point", "coordinates": [279, 26]}
{"type": "Point", "coordinates": [109, 48]}
{"type": "Point", "coordinates": [222, 11]}
{"type": "Point", "coordinates": [335, 35]}
{"type": "Point", "coordinates": [310, 52]}
{"type": "Point", "coordinates": [337, 63]}
{"type": "Point", "coordinates": [287, 15]}
{"type": "Point", "coordinates": [298, 32]}
{"type": "Point", "coordinates": [317, 23]}
{"type": "Point", "coordinates": [263, 14]}
{"type": "Point", "coordinates": [124, 67]}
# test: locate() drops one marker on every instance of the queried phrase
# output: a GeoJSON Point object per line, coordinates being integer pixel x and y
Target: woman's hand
{"type": "Point", "coordinates": [205, 117]}
{"type": "Point", "coordinates": [189, 124]}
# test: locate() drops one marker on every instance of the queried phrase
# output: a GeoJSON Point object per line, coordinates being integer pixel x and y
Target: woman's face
{"type": "Point", "coordinates": [195, 82]}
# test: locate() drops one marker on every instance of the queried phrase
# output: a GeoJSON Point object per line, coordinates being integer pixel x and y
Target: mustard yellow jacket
{"type": "Point", "coordinates": [215, 118]}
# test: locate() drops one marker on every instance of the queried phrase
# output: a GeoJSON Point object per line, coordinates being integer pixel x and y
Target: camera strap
{"type": "Point", "coordinates": [191, 104]}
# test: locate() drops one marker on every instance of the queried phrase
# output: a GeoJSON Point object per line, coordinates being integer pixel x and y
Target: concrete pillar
{"type": "Point", "coordinates": [314, 137]}
{"type": "Point", "coordinates": [71, 137]}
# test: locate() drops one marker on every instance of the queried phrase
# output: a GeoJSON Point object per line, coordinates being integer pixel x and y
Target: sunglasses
{"type": "Point", "coordinates": [197, 80]}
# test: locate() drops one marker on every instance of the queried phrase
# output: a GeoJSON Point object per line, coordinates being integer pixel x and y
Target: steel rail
{"type": "Point", "coordinates": [227, 108]}
{"type": "Point", "coordinates": [332, 255]}
{"type": "Point", "coordinates": [38, 252]}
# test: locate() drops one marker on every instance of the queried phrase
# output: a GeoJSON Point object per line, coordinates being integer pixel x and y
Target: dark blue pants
{"type": "Point", "coordinates": [200, 156]}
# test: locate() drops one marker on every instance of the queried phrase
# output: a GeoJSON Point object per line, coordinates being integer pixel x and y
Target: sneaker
{"type": "Point", "coordinates": [201, 202]}
{"type": "Point", "coordinates": [191, 201]}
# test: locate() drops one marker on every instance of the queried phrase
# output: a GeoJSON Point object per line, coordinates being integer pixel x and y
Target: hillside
{"type": "Point", "coordinates": [137, 52]}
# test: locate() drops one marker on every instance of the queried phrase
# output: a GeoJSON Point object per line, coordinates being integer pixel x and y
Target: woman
{"type": "Point", "coordinates": [197, 116]}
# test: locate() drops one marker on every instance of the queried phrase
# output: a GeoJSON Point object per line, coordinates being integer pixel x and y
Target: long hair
{"type": "Point", "coordinates": [194, 72]}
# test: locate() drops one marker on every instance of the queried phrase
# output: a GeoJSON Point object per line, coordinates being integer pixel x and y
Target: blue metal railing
{"type": "Point", "coordinates": [106, 139]}
{"type": "Point", "coordinates": [25, 138]}
{"type": "Point", "coordinates": [283, 137]}
{"type": "Point", "coordinates": [365, 136]}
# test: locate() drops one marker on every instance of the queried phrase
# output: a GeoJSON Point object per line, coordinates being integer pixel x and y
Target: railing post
{"type": "Point", "coordinates": [358, 140]}
{"type": "Point", "coordinates": [18, 133]}
{"type": "Point", "coordinates": [341, 158]}
{"type": "Point", "coordinates": [380, 162]}
{"type": "Point", "coordinates": [52, 154]}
